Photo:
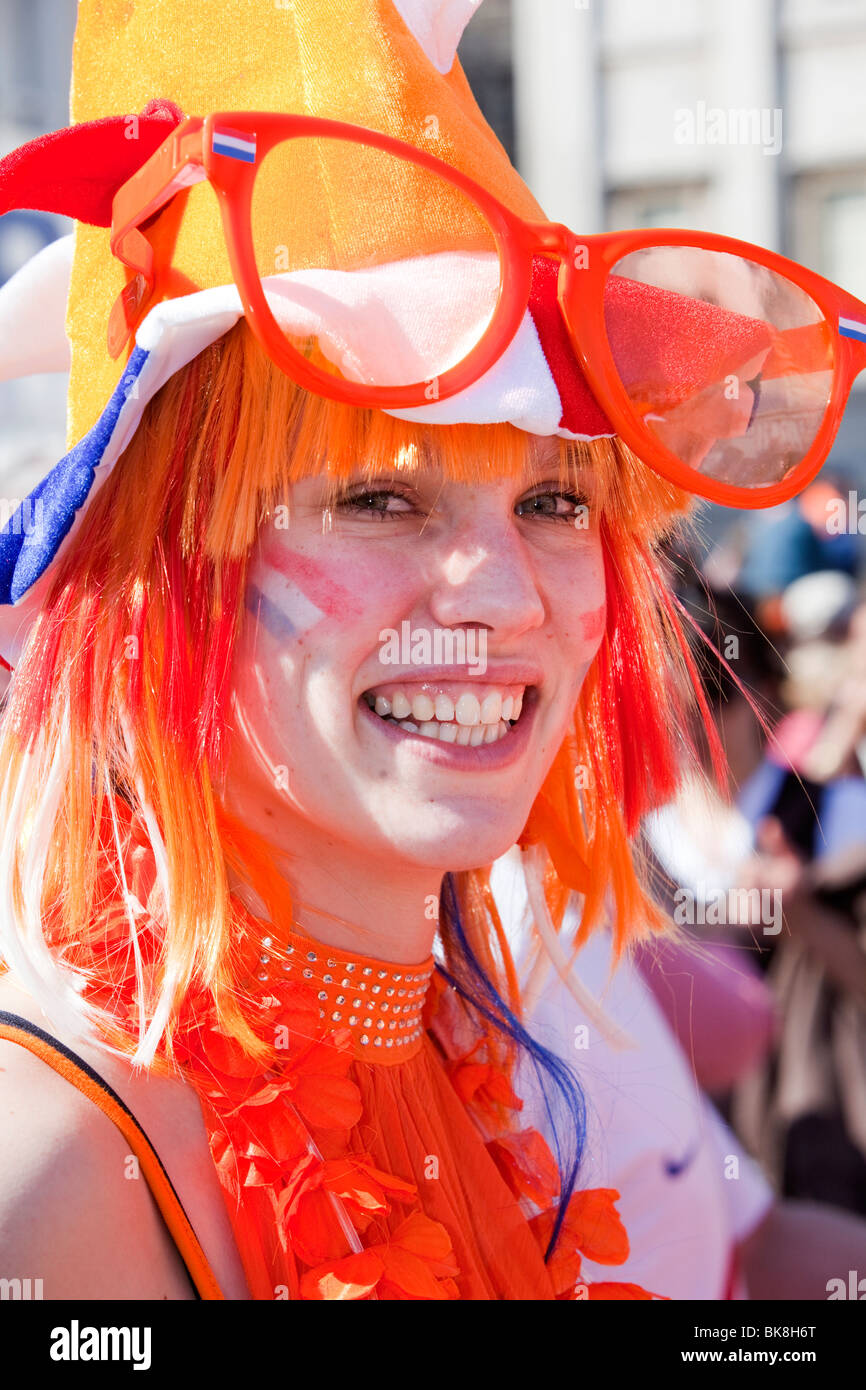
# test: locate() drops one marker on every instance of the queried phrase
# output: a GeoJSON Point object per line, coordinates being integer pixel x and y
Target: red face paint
{"type": "Point", "coordinates": [592, 624]}
{"type": "Point", "coordinates": [314, 580]}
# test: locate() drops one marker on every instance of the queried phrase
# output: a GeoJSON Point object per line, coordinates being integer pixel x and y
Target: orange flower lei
{"type": "Point", "coordinates": [283, 1130]}
{"type": "Point", "coordinates": [286, 1130]}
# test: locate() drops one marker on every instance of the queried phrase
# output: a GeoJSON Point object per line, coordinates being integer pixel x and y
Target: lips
{"type": "Point", "coordinates": [474, 734]}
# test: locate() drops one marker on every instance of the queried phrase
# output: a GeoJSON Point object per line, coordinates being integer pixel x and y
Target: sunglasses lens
{"type": "Point", "coordinates": [377, 269]}
{"type": "Point", "coordinates": [729, 364]}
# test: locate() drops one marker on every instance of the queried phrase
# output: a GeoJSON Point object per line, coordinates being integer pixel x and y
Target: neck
{"type": "Point", "coordinates": [346, 898]}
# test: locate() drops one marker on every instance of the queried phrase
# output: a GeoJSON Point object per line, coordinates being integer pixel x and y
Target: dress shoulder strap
{"type": "Point", "coordinates": [68, 1064]}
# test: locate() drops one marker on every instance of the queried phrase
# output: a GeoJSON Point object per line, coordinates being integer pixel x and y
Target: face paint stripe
{"type": "Point", "coordinates": [593, 624]}
{"type": "Point", "coordinates": [291, 600]}
{"type": "Point", "coordinates": [269, 614]}
{"type": "Point", "coordinates": [332, 598]}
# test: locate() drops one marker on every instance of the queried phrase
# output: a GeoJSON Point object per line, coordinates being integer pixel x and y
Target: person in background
{"type": "Point", "coordinates": [804, 1108]}
{"type": "Point", "coordinates": [703, 1220]}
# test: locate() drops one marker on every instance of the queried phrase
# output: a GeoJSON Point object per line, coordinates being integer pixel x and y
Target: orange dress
{"type": "Point", "coordinates": [376, 1154]}
{"type": "Point", "coordinates": [371, 1159]}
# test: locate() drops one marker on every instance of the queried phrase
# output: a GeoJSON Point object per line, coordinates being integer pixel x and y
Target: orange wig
{"type": "Point", "coordinates": [115, 725]}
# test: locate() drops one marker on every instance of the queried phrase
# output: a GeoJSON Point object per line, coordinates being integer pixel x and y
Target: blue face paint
{"type": "Point", "coordinates": [269, 614]}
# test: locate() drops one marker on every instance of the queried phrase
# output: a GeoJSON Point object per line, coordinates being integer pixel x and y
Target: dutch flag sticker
{"type": "Point", "coordinates": [234, 145]}
{"type": "Point", "coordinates": [852, 328]}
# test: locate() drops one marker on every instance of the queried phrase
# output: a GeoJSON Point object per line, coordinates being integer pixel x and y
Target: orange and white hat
{"type": "Point", "coordinates": [139, 67]}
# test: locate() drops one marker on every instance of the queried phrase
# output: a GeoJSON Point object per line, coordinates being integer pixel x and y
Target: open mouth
{"type": "Point", "coordinates": [467, 715]}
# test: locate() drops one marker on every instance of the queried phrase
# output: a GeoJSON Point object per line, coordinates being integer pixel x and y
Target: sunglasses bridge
{"type": "Point", "coordinates": [550, 237]}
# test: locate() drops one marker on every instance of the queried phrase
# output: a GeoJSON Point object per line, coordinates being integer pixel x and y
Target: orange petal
{"type": "Point", "coordinates": [327, 1056]}
{"type": "Point", "coordinates": [259, 1170]}
{"type": "Point", "coordinates": [299, 1014]}
{"type": "Point", "coordinates": [306, 1175]}
{"type": "Point", "coordinates": [396, 1188]}
{"type": "Point", "coordinates": [226, 1164]}
{"type": "Point", "coordinates": [358, 1192]}
{"type": "Point", "coordinates": [594, 1225]}
{"type": "Point", "coordinates": [467, 1077]}
{"type": "Point", "coordinates": [411, 1274]}
{"type": "Point", "coordinates": [265, 1095]}
{"type": "Point", "coordinates": [564, 1270]}
{"type": "Point", "coordinates": [359, 1182]}
{"type": "Point", "coordinates": [280, 1130]}
{"type": "Point", "coordinates": [225, 1055]}
{"type": "Point", "coordinates": [329, 1102]}
{"type": "Point", "coordinates": [424, 1237]}
{"type": "Point", "coordinates": [499, 1090]}
{"type": "Point", "coordinates": [314, 1230]}
{"type": "Point", "coordinates": [354, 1277]}
{"type": "Point", "coordinates": [527, 1165]}
{"type": "Point", "coordinates": [427, 1239]}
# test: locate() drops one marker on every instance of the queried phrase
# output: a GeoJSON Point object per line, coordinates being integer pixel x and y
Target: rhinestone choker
{"type": "Point", "coordinates": [380, 1003]}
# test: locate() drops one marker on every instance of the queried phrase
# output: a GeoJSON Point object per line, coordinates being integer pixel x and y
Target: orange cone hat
{"type": "Point", "coordinates": [390, 67]}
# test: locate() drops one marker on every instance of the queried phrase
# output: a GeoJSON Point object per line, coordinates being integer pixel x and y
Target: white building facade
{"type": "Point", "coordinates": [742, 117]}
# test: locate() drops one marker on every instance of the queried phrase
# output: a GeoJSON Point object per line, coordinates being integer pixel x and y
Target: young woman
{"type": "Point", "coordinates": [303, 667]}
{"type": "Point", "coordinates": [364, 813]}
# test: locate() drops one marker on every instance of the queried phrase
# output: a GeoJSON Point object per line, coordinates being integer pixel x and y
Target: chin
{"type": "Point", "coordinates": [467, 842]}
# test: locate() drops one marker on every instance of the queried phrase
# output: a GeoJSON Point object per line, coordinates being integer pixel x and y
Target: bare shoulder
{"type": "Point", "coordinates": [74, 1210]}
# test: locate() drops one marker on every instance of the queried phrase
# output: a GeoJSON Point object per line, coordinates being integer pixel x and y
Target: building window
{"type": "Point", "coordinates": [829, 225]}
{"type": "Point", "coordinates": [661, 206]}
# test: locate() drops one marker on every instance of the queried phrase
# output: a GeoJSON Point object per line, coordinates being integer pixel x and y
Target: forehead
{"type": "Point", "coordinates": [341, 443]}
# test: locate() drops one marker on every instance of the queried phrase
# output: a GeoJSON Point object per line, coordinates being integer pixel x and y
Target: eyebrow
{"type": "Point", "coordinates": [547, 458]}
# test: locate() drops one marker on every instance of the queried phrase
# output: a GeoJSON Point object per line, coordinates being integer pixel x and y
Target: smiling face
{"type": "Point", "coordinates": [409, 661]}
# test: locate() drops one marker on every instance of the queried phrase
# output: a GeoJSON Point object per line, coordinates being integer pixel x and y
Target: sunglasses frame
{"type": "Point", "coordinates": [188, 157]}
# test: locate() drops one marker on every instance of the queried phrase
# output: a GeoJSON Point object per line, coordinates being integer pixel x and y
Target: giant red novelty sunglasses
{"type": "Point", "coordinates": [724, 366]}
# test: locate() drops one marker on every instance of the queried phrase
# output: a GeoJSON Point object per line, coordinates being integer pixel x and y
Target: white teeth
{"type": "Point", "coordinates": [422, 708]}
{"type": "Point", "coordinates": [471, 735]}
{"type": "Point", "coordinates": [491, 707]}
{"type": "Point", "coordinates": [400, 707]}
{"type": "Point", "coordinates": [467, 710]}
{"type": "Point", "coordinates": [467, 721]}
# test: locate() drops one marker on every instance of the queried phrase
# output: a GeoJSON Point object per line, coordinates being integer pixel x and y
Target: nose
{"type": "Point", "coordinates": [485, 578]}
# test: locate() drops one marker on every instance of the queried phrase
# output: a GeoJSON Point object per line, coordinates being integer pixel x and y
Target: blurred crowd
{"type": "Point", "coordinates": [769, 885]}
